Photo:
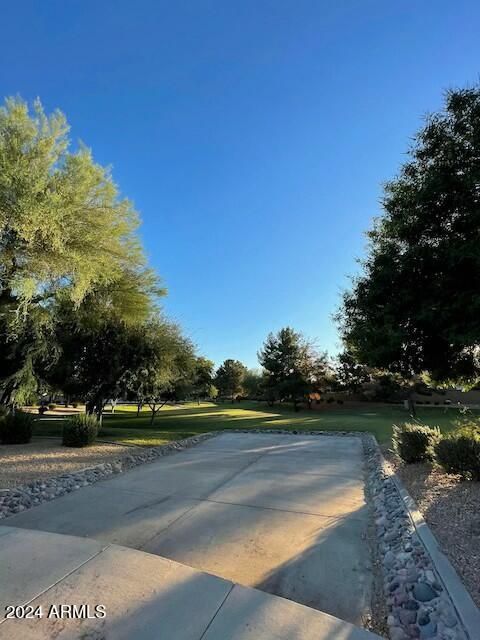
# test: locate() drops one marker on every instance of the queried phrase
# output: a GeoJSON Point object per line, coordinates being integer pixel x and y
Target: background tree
{"type": "Point", "coordinates": [253, 384]}
{"type": "Point", "coordinates": [293, 368]}
{"type": "Point", "coordinates": [229, 378]}
{"type": "Point", "coordinates": [202, 378]}
{"type": "Point", "coordinates": [416, 306]}
{"type": "Point", "coordinates": [350, 375]}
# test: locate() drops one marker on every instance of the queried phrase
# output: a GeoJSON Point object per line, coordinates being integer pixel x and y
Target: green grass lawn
{"type": "Point", "coordinates": [173, 423]}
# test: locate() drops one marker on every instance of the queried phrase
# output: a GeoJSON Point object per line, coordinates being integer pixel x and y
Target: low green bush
{"type": "Point", "coordinates": [459, 452]}
{"type": "Point", "coordinates": [74, 405]}
{"type": "Point", "coordinates": [16, 428]}
{"type": "Point", "coordinates": [52, 406]}
{"type": "Point", "coordinates": [80, 430]}
{"type": "Point", "coordinates": [415, 442]}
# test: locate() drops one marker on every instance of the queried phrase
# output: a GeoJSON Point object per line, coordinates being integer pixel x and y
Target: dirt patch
{"type": "Point", "coordinates": [46, 457]}
{"type": "Point", "coordinates": [451, 508]}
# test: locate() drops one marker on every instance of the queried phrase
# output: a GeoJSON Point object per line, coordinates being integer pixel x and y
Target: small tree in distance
{"type": "Point", "coordinates": [293, 367]}
{"type": "Point", "coordinates": [229, 378]}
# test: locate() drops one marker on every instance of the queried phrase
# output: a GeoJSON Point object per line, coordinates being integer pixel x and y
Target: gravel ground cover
{"type": "Point", "coordinates": [46, 457]}
{"type": "Point", "coordinates": [451, 507]}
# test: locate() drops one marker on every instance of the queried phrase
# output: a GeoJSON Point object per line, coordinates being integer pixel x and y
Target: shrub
{"type": "Point", "coordinates": [80, 430]}
{"type": "Point", "coordinates": [339, 401]}
{"type": "Point", "coordinates": [42, 409]}
{"type": "Point", "coordinates": [330, 400]}
{"type": "Point", "coordinates": [16, 428]}
{"type": "Point", "coordinates": [459, 452]}
{"type": "Point", "coordinates": [52, 406]}
{"type": "Point", "coordinates": [415, 442]}
{"type": "Point", "coordinates": [74, 405]}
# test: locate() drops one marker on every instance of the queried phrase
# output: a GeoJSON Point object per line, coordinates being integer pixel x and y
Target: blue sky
{"type": "Point", "coordinates": [252, 135]}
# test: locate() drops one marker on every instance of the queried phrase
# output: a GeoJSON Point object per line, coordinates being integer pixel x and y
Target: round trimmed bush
{"type": "Point", "coordinates": [80, 430]}
{"type": "Point", "coordinates": [415, 442]}
{"type": "Point", "coordinates": [52, 406]}
{"type": "Point", "coordinates": [16, 428]}
{"type": "Point", "coordinates": [74, 405]}
{"type": "Point", "coordinates": [459, 453]}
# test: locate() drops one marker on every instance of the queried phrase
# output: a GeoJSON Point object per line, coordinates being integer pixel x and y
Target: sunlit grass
{"type": "Point", "coordinates": [175, 422]}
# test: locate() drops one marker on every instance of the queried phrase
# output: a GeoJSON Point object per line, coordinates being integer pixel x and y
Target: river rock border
{"type": "Point", "coordinates": [418, 604]}
{"type": "Point", "coordinates": [22, 497]}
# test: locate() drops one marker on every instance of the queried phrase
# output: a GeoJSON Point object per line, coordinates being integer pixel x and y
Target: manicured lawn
{"type": "Point", "coordinates": [173, 423]}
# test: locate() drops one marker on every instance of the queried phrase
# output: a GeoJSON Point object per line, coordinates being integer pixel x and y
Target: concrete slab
{"type": "Point", "coordinates": [144, 597]}
{"type": "Point", "coordinates": [271, 511]}
{"type": "Point", "coordinates": [248, 614]}
{"type": "Point", "coordinates": [315, 561]}
{"type": "Point", "coordinates": [121, 517]}
{"type": "Point", "coordinates": [150, 598]}
{"type": "Point", "coordinates": [31, 562]}
{"type": "Point", "coordinates": [322, 495]}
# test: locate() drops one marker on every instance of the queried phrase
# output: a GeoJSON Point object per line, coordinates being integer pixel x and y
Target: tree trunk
{"type": "Point", "coordinates": [139, 408]}
{"type": "Point", "coordinates": [411, 405]}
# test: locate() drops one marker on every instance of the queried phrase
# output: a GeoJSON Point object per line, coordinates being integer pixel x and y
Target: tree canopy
{"type": "Point", "coordinates": [66, 238]}
{"type": "Point", "coordinates": [293, 367]}
{"type": "Point", "coordinates": [416, 306]}
{"type": "Point", "coordinates": [229, 378]}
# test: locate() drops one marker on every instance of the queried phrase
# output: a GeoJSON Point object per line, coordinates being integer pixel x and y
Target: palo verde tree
{"type": "Point", "coordinates": [229, 378]}
{"type": "Point", "coordinates": [416, 306]}
{"type": "Point", "coordinates": [163, 365]}
{"type": "Point", "coordinates": [293, 368]}
{"type": "Point", "coordinates": [64, 233]}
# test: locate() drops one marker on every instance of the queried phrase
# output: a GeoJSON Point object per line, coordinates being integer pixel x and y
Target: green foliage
{"type": "Point", "coordinates": [459, 452]}
{"type": "Point", "coordinates": [293, 368]}
{"type": "Point", "coordinates": [350, 374]}
{"type": "Point", "coordinates": [67, 240]}
{"type": "Point", "coordinates": [52, 406]}
{"type": "Point", "coordinates": [229, 378]}
{"type": "Point", "coordinates": [253, 384]}
{"type": "Point", "coordinates": [415, 442]}
{"type": "Point", "coordinates": [16, 428]}
{"type": "Point", "coordinates": [416, 307]}
{"type": "Point", "coordinates": [202, 378]}
{"type": "Point", "coordinates": [80, 430]}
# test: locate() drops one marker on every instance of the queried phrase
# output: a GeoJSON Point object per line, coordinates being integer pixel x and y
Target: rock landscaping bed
{"type": "Point", "coordinates": [451, 507]}
{"type": "Point", "coordinates": [24, 496]}
{"type": "Point", "coordinates": [418, 605]}
{"type": "Point", "coordinates": [43, 458]}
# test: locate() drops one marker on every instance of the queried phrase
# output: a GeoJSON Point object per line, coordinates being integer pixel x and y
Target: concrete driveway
{"type": "Point", "coordinates": [283, 513]}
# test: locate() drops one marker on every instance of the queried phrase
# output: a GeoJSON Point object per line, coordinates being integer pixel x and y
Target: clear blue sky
{"type": "Point", "coordinates": [252, 135]}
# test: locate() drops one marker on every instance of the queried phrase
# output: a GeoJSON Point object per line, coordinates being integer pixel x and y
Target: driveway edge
{"type": "Point", "coordinates": [32, 494]}
{"type": "Point", "coordinates": [424, 595]}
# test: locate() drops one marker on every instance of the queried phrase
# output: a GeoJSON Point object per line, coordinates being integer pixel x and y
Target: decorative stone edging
{"type": "Point", "coordinates": [32, 494]}
{"type": "Point", "coordinates": [418, 604]}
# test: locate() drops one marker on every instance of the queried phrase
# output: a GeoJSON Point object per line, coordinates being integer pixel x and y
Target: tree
{"type": "Point", "coordinates": [229, 378]}
{"type": "Point", "coordinates": [162, 367]}
{"type": "Point", "coordinates": [253, 383]}
{"type": "Point", "coordinates": [416, 306]}
{"type": "Point", "coordinates": [202, 378]}
{"type": "Point", "coordinates": [294, 369]}
{"type": "Point", "coordinates": [65, 234]}
{"type": "Point", "coordinates": [350, 375]}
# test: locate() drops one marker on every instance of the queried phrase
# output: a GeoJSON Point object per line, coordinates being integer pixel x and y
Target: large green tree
{"type": "Point", "coordinates": [416, 306]}
{"type": "Point", "coordinates": [229, 378]}
{"type": "Point", "coordinates": [65, 235]}
{"type": "Point", "coordinates": [293, 367]}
